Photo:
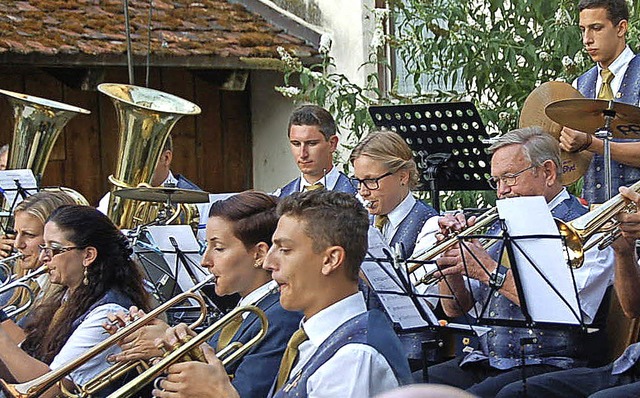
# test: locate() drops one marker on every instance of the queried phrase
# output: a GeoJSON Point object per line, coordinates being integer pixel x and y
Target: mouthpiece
{"type": "Point", "coordinates": [367, 203]}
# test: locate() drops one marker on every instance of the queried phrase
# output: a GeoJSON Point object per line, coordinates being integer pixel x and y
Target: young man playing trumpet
{"type": "Point", "coordinates": [525, 162]}
{"type": "Point", "coordinates": [341, 349]}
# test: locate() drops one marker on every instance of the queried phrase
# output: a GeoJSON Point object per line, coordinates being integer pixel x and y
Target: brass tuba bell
{"type": "Point", "coordinates": [37, 125]}
{"type": "Point", "coordinates": [145, 119]}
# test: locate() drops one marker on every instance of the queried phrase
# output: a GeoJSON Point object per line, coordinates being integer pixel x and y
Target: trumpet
{"type": "Point", "coordinates": [229, 354]}
{"type": "Point", "coordinates": [23, 283]}
{"type": "Point", "coordinates": [39, 385]}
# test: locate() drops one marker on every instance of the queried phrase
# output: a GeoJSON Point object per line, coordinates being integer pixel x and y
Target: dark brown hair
{"type": "Point", "coordinates": [331, 218]}
{"type": "Point", "coordinates": [313, 115]}
{"type": "Point", "coordinates": [252, 213]}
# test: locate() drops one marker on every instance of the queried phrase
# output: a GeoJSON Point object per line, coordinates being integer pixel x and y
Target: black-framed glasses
{"type": "Point", "coordinates": [509, 180]}
{"type": "Point", "coordinates": [55, 250]}
{"type": "Point", "coordinates": [370, 183]}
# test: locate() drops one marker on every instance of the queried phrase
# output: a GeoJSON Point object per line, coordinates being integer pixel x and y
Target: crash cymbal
{"type": "Point", "coordinates": [163, 194]}
{"type": "Point", "coordinates": [587, 115]}
{"type": "Point", "coordinates": [574, 164]}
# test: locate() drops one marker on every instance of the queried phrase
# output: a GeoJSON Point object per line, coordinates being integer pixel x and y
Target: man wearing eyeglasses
{"type": "Point", "coordinates": [525, 162]}
{"type": "Point", "coordinates": [313, 140]}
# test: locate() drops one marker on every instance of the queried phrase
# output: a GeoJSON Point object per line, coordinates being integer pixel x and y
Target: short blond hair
{"type": "Point", "coordinates": [391, 150]}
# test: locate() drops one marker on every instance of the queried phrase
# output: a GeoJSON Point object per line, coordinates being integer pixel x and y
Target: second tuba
{"type": "Point", "coordinates": [145, 119]}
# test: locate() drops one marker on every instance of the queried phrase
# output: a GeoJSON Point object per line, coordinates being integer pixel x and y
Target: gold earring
{"type": "Point", "coordinates": [257, 264]}
{"type": "Point", "coordinates": [85, 281]}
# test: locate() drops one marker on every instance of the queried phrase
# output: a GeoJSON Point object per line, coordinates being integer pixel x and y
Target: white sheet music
{"type": "Point", "coordinates": [547, 254]}
{"type": "Point", "coordinates": [399, 307]}
{"type": "Point", "coordinates": [8, 184]}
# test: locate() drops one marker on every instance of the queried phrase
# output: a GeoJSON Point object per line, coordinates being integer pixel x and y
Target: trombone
{"type": "Point", "coordinates": [576, 233]}
{"type": "Point", "coordinates": [229, 354]}
{"type": "Point", "coordinates": [22, 282]}
{"type": "Point", "coordinates": [39, 385]}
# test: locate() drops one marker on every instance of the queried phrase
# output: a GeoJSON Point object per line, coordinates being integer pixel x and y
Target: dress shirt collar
{"type": "Point", "coordinates": [620, 63]}
{"type": "Point", "coordinates": [254, 297]}
{"type": "Point", "coordinates": [171, 179]}
{"type": "Point", "coordinates": [329, 180]}
{"type": "Point", "coordinates": [401, 211]}
{"type": "Point", "coordinates": [559, 198]}
{"type": "Point", "coordinates": [320, 326]}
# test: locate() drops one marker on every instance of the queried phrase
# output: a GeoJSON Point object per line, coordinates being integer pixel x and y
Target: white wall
{"type": "Point", "coordinates": [273, 165]}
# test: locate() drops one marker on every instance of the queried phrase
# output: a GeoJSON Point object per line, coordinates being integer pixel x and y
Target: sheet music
{"type": "Point", "coordinates": [399, 307]}
{"type": "Point", "coordinates": [9, 187]}
{"type": "Point", "coordinates": [203, 210]}
{"type": "Point", "coordinates": [543, 303]}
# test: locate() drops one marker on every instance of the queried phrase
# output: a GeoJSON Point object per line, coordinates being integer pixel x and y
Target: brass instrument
{"type": "Point", "coordinates": [37, 125]}
{"type": "Point", "coordinates": [229, 354]}
{"type": "Point", "coordinates": [8, 269]}
{"type": "Point", "coordinates": [23, 283]}
{"type": "Point", "coordinates": [145, 119]}
{"type": "Point", "coordinates": [39, 385]}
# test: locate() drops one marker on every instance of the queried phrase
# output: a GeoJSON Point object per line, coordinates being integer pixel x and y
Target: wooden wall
{"type": "Point", "coordinates": [212, 149]}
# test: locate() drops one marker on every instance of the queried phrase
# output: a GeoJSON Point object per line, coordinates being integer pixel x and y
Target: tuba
{"type": "Point", "coordinates": [145, 119]}
{"type": "Point", "coordinates": [37, 125]}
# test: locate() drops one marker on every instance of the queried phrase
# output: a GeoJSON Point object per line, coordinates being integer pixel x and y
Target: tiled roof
{"type": "Point", "coordinates": [179, 28]}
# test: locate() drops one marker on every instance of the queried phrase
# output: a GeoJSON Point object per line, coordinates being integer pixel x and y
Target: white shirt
{"type": "Point", "coordinates": [254, 297]}
{"type": "Point", "coordinates": [103, 205]}
{"type": "Point", "coordinates": [618, 68]}
{"type": "Point", "coordinates": [356, 370]}
{"type": "Point", "coordinates": [86, 336]}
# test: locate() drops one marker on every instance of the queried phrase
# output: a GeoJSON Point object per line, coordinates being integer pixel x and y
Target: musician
{"type": "Point", "coordinates": [239, 233]}
{"type": "Point", "coordinates": [622, 377]}
{"type": "Point", "coordinates": [525, 162]}
{"type": "Point", "coordinates": [313, 140]}
{"type": "Point", "coordinates": [384, 175]}
{"type": "Point", "coordinates": [90, 258]}
{"type": "Point", "coordinates": [604, 25]}
{"type": "Point", "coordinates": [30, 216]}
{"type": "Point", "coordinates": [341, 349]}
{"type": "Point", "coordinates": [162, 175]}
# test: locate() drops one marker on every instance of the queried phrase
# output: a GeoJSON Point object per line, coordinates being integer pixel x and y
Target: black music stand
{"type": "Point", "coordinates": [448, 140]}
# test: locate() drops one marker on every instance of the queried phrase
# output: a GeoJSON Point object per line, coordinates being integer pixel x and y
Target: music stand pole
{"type": "Point", "coordinates": [605, 134]}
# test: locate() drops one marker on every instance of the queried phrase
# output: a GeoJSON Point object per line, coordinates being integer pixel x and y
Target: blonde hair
{"type": "Point", "coordinates": [391, 150]}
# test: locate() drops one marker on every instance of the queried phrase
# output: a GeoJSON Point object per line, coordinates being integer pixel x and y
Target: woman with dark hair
{"type": "Point", "coordinates": [239, 233]}
{"type": "Point", "coordinates": [88, 256]}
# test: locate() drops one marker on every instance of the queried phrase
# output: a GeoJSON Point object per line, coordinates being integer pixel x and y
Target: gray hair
{"type": "Point", "coordinates": [4, 149]}
{"type": "Point", "coordinates": [537, 145]}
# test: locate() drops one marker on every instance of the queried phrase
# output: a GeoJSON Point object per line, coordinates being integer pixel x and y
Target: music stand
{"type": "Point", "coordinates": [15, 186]}
{"type": "Point", "coordinates": [448, 140]}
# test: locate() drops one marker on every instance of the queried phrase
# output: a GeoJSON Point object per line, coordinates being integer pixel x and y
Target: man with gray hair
{"type": "Point", "coordinates": [4, 156]}
{"type": "Point", "coordinates": [525, 162]}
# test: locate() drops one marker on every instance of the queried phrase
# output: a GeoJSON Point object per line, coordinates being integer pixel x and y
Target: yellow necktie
{"type": "Point", "coordinates": [227, 332]}
{"type": "Point", "coordinates": [380, 221]}
{"type": "Point", "coordinates": [289, 357]}
{"type": "Point", "coordinates": [313, 187]}
{"type": "Point", "coordinates": [605, 89]}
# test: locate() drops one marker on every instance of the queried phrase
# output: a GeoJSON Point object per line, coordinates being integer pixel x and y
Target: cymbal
{"type": "Point", "coordinates": [587, 115]}
{"type": "Point", "coordinates": [574, 164]}
{"type": "Point", "coordinates": [163, 194]}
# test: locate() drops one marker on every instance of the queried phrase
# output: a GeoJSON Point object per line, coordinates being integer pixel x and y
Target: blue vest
{"type": "Point", "coordinates": [342, 185]}
{"type": "Point", "coordinates": [183, 183]}
{"type": "Point", "coordinates": [627, 360]}
{"type": "Point", "coordinates": [410, 227]}
{"type": "Point", "coordinates": [112, 296]}
{"type": "Point", "coordinates": [622, 175]}
{"type": "Point", "coordinates": [501, 345]}
{"type": "Point", "coordinates": [371, 328]}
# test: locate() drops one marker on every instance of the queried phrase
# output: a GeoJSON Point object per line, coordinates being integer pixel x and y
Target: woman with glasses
{"type": "Point", "coordinates": [90, 259]}
{"type": "Point", "coordinates": [29, 218]}
{"type": "Point", "coordinates": [384, 175]}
